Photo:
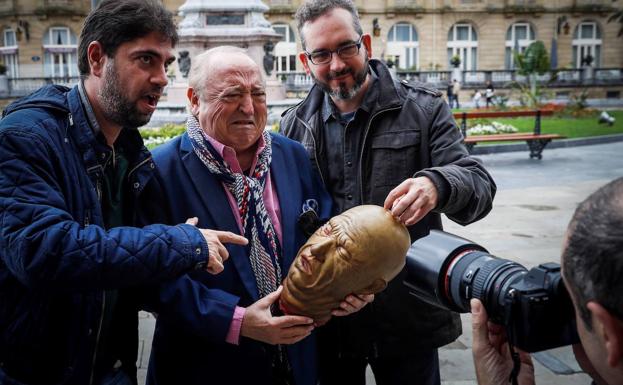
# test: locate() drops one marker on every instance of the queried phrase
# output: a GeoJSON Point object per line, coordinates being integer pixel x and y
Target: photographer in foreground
{"type": "Point", "coordinates": [592, 267]}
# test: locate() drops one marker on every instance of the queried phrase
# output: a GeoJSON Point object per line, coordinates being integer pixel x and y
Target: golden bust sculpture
{"type": "Point", "coordinates": [356, 252]}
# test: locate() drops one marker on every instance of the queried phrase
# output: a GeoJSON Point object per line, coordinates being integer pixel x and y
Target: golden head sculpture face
{"type": "Point", "coordinates": [357, 252]}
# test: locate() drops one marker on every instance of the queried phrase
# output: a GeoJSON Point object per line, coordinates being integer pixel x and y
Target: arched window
{"type": "Point", "coordinates": [403, 46]}
{"type": "Point", "coordinates": [463, 42]}
{"type": "Point", "coordinates": [285, 50]}
{"type": "Point", "coordinates": [518, 37]}
{"type": "Point", "coordinates": [60, 47]}
{"type": "Point", "coordinates": [8, 52]}
{"type": "Point", "coordinates": [587, 41]}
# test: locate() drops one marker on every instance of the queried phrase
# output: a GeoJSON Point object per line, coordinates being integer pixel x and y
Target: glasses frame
{"type": "Point", "coordinates": [336, 51]}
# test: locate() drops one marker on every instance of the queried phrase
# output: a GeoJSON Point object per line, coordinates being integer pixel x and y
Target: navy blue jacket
{"type": "Point", "coordinates": [196, 311]}
{"type": "Point", "coordinates": [55, 256]}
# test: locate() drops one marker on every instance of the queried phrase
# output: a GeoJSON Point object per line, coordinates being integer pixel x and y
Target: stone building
{"type": "Point", "coordinates": [424, 34]}
{"type": "Point", "coordinates": [39, 37]}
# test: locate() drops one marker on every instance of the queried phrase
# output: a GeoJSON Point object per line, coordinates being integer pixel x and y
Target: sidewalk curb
{"type": "Point", "coordinates": [562, 143]}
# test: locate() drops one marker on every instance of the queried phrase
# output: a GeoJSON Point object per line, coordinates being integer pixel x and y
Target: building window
{"type": "Point", "coordinates": [8, 53]}
{"type": "Point", "coordinates": [403, 46]}
{"type": "Point", "coordinates": [60, 47]}
{"type": "Point", "coordinates": [586, 41]}
{"type": "Point", "coordinates": [285, 50]}
{"type": "Point", "coordinates": [518, 37]}
{"type": "Point", "coordinates": [463, 42]}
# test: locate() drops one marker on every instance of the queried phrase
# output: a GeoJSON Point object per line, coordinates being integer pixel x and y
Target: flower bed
{"type": "Point", "coordinates": [491, 129]}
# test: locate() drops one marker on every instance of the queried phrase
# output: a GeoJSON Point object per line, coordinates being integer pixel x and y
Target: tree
{"type": "Point", "coordinates": [534, 61]}
{"type": "Point", "coordinates": [618, 17]}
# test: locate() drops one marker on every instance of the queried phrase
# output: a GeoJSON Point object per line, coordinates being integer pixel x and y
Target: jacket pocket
{"type": "Point", "coordinates": [394, 157]}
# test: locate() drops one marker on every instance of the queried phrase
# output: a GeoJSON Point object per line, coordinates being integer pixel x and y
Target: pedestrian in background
{"type": "Point", "coordinates": [489, 92]}
{"type": "Point", "coordinates": [476, 98]}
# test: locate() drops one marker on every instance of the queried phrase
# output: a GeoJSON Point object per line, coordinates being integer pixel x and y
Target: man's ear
{"type": "Point", "coordinates": [367, 42]}
{"type": "Point", "coordinates": [610, 330]}
{"type": "Point", "coordinates": [304, 60]}
{"type": "Point", "coordinates": [376, 286]}
{"type": "Point", "coordinates": [193, 100]}
{"type": "Point", "coordinates": [96, 58]}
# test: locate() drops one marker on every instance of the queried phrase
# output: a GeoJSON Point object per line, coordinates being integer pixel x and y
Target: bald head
{"type": "Point", "coordinates": [358, 252]}
{"type": "Point", "coordinates": [211, 65]}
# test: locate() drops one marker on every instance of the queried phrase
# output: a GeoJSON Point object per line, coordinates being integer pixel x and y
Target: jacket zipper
{"type": "Point", "coordinates": [98, 191]}
{"type": "Point", "coordinates": [137, 166]}
{"type": "Point", "coordinates": [97, 338]}
{"type": "Point", "coordinates": [365, 137]}
{"type": "Point", "coordinates": [311, 133]}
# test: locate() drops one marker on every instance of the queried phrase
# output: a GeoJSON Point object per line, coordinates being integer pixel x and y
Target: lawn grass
{"type": "Point", "coordinates": [568, 126]}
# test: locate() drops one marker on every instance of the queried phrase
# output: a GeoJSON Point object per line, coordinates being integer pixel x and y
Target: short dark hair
{"type": "Point", "coordinates": [313, 9]}
{"type": "Point", "coordinates": [115, 22]}
{"type": "Point", "coordinates": [593, 256]}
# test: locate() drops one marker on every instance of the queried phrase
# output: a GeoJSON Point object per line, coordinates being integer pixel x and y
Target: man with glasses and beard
{"type": "Point", "coordinates": [380, 141]}
{"type": "Point", "coordinates": [72, 165]}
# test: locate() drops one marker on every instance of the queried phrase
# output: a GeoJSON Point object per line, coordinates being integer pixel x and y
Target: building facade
{"type": "Point", "coordinates": [423, 35]}
{"type": "Point", "coordinates": [39, 37]}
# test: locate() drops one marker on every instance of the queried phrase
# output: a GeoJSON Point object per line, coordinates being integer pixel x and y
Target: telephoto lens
{"type": "Point", "coordinates": [448, 271]}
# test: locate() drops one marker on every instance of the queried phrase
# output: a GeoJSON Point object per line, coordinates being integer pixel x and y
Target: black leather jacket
{"type": "Point", "coordinates": [411, 132]}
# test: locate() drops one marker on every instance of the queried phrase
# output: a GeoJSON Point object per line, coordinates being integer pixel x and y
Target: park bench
{"type": "Point", "coordinates": [536, 141]}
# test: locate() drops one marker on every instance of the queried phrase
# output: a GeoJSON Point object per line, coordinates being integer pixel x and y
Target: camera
{"type": "Point", "coordinates": [533, 305]}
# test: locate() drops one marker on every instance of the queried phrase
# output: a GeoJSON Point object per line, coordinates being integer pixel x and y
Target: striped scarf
{"type": "Point", "coordinates": [264, 248]}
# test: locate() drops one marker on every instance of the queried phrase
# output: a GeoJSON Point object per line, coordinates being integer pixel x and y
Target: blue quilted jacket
{"type": "Point", "coordinates": [56, 259]}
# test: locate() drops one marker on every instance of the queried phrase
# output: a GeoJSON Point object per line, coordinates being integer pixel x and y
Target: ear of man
{"type": "Point", "coordinates": [610, 330]}
{"type": "Point", "coordinates": [193, 99]}
{"type": "Point", "coordinates": [304, 61]}
{"type": "Point", "coordinates": [97, 58]}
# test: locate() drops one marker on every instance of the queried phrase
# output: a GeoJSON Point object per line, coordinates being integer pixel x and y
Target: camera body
{"type": "Point", "coordinates": [533, 305]}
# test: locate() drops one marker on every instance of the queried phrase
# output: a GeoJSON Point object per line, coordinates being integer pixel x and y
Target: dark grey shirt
{"type": "Point", "coordinates": [342, 141]}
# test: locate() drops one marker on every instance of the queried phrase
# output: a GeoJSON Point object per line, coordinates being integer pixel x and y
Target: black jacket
{"type": "Point", "coordinates": [411, 132]}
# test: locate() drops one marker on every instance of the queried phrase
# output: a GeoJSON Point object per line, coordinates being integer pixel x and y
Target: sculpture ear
{"type": "Point", "coordinates": [376, 286]}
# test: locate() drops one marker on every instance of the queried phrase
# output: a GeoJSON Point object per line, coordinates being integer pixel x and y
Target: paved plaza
{"type": "Point", "coordinates": [533, 205]}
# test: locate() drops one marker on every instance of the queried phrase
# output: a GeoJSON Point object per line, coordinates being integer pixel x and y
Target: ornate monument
{"type": "Point", "coordinates": [241, 23]}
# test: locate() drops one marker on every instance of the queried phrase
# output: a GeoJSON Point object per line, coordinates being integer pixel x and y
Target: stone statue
{"type": "Point", "coordinates": [269, 58]}
{"type": "Point", "coordinates": [184, 63]}
{"type": "Point", "coordinates": [358, 251]}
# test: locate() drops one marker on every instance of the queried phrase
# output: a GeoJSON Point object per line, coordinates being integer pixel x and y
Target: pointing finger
{"type": "Point", "coordinates": [229, 237]}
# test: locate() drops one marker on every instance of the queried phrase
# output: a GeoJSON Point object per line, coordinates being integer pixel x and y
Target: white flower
{"type": "Point", "coordinates": [491, 129]}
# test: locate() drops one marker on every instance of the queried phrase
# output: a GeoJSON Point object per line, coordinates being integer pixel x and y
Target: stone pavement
{"type": "Point", "coordinates": [533, 205]}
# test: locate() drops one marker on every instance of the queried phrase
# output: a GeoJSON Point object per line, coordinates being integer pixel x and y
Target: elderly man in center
{"type": "Point", "coordinates": [234, 176]}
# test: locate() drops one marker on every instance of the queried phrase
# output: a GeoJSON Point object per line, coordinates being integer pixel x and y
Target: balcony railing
{"type": "Point", "coordinates": [23, 86]}
{"type": "Point", "coordinates": [504, 78]}
{"type": "Point", "coordinates": [300, 81]}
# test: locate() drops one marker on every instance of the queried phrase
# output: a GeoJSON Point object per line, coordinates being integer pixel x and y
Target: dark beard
{"type": "Point", "coordinates": [115, 104]}
{"type": "Point", "coordinates": [343, 93]}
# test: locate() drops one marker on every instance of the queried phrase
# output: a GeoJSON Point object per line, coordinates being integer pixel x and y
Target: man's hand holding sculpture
{"type": "Point", "coordinates": [353, 256]}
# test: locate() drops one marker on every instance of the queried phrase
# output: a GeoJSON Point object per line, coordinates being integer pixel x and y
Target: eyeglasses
{"type": "Point", "coordinates": [344, 52]}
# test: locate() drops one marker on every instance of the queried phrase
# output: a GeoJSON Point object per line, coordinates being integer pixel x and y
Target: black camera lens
{"type": "Point", "coordinates": [447, 271]}
{"type": "Point", "coordinates": [533, 305]}
{"type": "Point", "coordinates": [485, 277]}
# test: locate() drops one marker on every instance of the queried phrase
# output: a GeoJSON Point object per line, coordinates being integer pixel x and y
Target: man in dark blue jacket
{"type": "Point", "coordinates": [234, 176]}
{"type": "Point", "coordinates": [71, 166]}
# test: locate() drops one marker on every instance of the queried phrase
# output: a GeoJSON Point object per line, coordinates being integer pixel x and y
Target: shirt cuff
{"type": "Point", "coordinates": [233, 335]}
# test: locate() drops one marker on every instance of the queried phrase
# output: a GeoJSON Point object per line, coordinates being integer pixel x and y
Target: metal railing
{"type": "Point", "coordinates": [23, 86]}
{"type": "Point", "coordinates": [300, 81]}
